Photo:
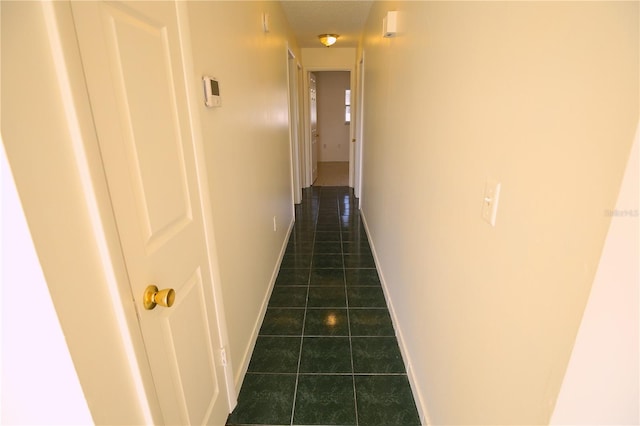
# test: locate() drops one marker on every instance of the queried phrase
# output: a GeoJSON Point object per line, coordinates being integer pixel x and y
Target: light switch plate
{"type": "Point", "coordinates": [490, 201]}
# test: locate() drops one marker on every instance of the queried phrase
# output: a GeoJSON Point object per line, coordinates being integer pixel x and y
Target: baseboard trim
{"type": "Point", "coordinates": [242, 372]}
{"type": "Point", "coordinates": [406, 357]}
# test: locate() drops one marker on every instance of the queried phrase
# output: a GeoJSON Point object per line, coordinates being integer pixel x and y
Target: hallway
{"type": "Point", "coordinates": [509, 306]}
{"type": "Point", "coordinates": [326, 352]}
{"type": "Point", "coordinates": [332, 173]}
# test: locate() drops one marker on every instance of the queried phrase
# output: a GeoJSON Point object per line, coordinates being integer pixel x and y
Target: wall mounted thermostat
{"type": "Point", "coordinates": [211, 92]}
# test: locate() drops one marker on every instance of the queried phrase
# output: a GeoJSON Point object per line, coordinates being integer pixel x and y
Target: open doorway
{"type": "Point", "coordinates": [332, 134]}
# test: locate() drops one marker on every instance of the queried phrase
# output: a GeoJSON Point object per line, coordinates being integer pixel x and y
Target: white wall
{"type": "Point", "coordinates": [36, 364]}
{"type": "Point", "coordinates": [247, 152]}
{"type": "Point", "coordinates": [333, 130]}
{"type": "Point", "coordinates": [602, 379]}
{"type": "Point", "coordinates": [328, 59]}
{"type": "Point", "coordinates": [541, 96]}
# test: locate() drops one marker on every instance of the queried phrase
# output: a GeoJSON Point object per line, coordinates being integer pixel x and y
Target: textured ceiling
{"type": "Point", "coordinates": [309, 18]}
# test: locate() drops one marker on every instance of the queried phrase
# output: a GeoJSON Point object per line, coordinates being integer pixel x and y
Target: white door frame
{"type": "Point", "coordinates": [359, 130]}
{"type": "Point", "coordinates": [294, 126]}
{"type": "Point", "coordinates": [307, 124]}
{"type": "Point", "coordinates": [193, 97]}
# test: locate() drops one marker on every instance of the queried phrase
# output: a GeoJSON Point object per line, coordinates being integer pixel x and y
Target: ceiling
{"type": "Point", "coordinates": [309, 18]}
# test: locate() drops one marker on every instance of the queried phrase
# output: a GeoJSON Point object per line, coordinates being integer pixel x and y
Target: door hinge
{"type": "Point", "coordinates": [223, 356]}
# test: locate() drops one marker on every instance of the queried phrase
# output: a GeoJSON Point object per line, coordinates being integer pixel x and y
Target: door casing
{"type": "Point", "coordinates": [307, 123]}
{"type": "Point", "coordinates": [294, 126]}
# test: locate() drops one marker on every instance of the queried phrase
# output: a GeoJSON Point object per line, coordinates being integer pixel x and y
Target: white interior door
{"type": "Point", "coordinates": [313, 120]}
{"type": "Point", "coordinates": [133, 65]}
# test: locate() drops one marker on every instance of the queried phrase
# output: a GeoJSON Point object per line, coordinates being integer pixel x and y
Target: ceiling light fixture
{"type": "Point", "coordinates": [328, 39]}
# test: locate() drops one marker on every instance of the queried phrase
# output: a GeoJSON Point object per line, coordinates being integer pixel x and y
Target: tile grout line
{"type": "Point", "coordinates": [346, 295]}
{"type": "Point", "coordinates": [304, 320]}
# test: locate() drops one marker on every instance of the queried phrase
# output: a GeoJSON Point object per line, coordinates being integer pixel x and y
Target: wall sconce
{"type": "Point", "coordinates": [328, 39]}
{"type": "Point", "coordinates": [390, 24]}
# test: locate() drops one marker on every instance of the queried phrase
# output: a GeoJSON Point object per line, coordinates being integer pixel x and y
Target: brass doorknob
{"type": "Point", "coordinates": [152, 297]}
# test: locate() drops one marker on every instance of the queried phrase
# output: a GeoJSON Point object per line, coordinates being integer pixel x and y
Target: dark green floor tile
{"type": "Point", "coordinates": [328, 236]}
{"type": "Point", "coordinates": [376, 355]}
{"type": "Point", "coordinates": [366, 297]}
{"type": "Point", "coordinates": [330, 217]}
{"type": "Point", "coordinates": [275, 355]}
{"type": "Point", "coordinates": [296, 261]}
{"type": "Point", "coordinates": [280, 321]}
{"type": "Point", "coordinates": [300, 247]}
{"type": "Point", "coordinates": [351, 224]}
{"type": "Point", "coordinates": [327, 297]}
{"type": "Point", "coordinates": [350, 247]}
{"type": "Point", "coordinates": [327, 247]}
{"type": "Point", "coordinates": [325, 355]}
{"type": "Point", "coordinates": [327, 261]}
{"type": "Point", "coordinates": [370, 322]}
{"type": "Point", "coordinates": [366, 277]}
{"type": "Point", "coordinates": [326, 322]}
{"type": "Point", "coordinates": [265, 399]}
{"type": "Point", "coordinates": [331, 227]}
{"type": "Point", "coordinates": [303, 230]}
{"type": "Point", "coordinates": [354, 234]}
{"type": "Point", "coordinates": [359, 261]}
{"type": "Point", "coordinates": [325, 400]}
{"type": "Point", "coordinates": [288, 297]}
{"type": "Point", "coordinates": [305, 224]}
{"type": "Point", "coordinates": [310, 292]}
{"type": "Point", "coordinates": [293, 277]}
{"type": "Point", "coordinates": [328, 277]}
{"type": "Point", "coordinates": [385, 401]}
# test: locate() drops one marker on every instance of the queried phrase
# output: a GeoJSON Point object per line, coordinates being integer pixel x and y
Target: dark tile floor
{"type": "Point", "coordinates": [326, 353]}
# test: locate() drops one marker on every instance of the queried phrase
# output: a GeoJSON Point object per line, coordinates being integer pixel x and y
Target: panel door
{"type": "Point", "coordinates": [132, 57]}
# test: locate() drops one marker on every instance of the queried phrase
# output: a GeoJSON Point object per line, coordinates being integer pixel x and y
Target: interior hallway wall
{"type": "Point", "coordinates": [27, 375]}
{"type": "Point", "coordinates": [333, 130]}
{"type": "Point", "coordinates": [542, 97]}
{"type": "Point", "coordinates": [247, 154]}
{"type": "Point", "coordinates": [324, 59]}
{"type": "Point", "coordinates": [601, 385]}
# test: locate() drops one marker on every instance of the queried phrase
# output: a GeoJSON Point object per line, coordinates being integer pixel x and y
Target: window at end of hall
{"type": "Point", "coordinates": [347, 106]}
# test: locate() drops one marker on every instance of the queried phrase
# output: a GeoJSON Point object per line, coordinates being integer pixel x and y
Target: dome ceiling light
{"type": "Point", "coordinates": [328, 39]}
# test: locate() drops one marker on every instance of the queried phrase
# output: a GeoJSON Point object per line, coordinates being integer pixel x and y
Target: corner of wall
{"type": "Point", "coordinates": [601, 383]}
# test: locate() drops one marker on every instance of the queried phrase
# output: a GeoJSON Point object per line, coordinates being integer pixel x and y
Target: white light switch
{"type": "Point", "coordinates": [490, 201]}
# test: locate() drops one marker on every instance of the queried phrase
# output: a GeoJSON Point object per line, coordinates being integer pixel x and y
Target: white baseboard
{"type": "Point", "coordinates": [417, 395]}
{"type": "Point", "coordinates": [242, 372]}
